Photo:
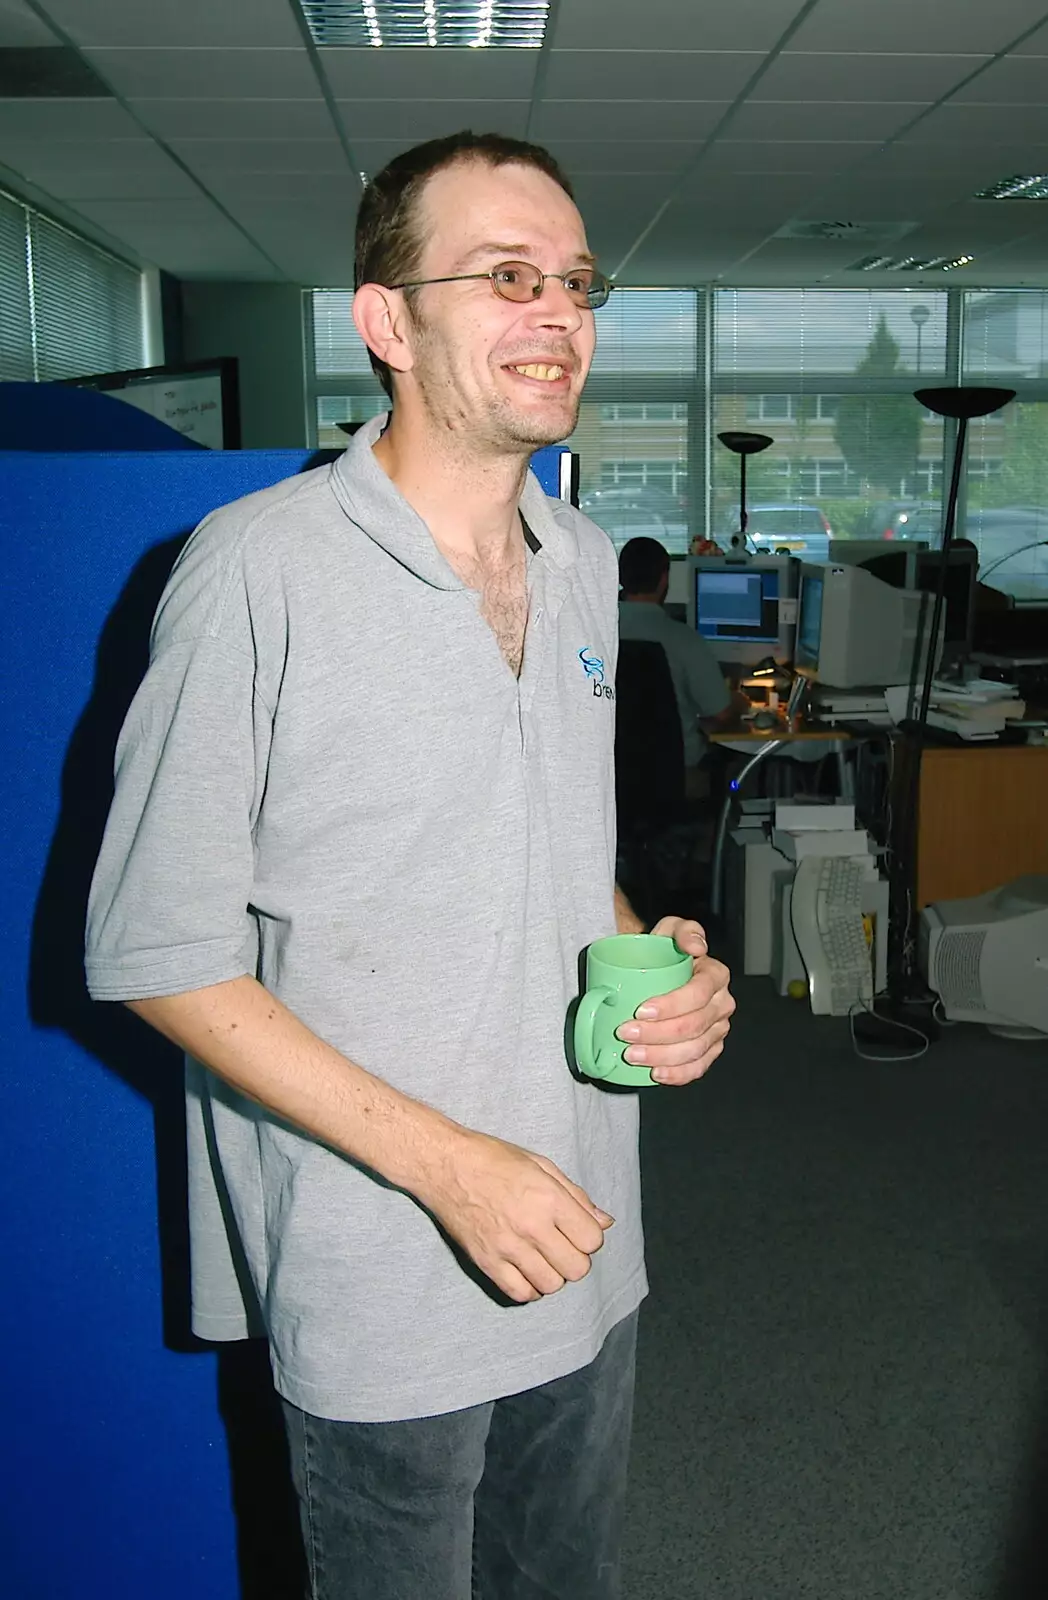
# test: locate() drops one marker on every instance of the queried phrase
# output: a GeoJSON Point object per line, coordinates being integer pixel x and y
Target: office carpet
{"type": "Point", "coordinates": [843, 1369]}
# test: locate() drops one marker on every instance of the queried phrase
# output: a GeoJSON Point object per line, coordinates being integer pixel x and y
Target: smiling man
{"type": "Point", "coordinates": [363, 828]}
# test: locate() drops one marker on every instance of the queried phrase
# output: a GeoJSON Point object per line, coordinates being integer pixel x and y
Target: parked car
{"type": "Point", "coordinates": [902, 519]}
{"type": "Point", "coordinates": [1012, 542]}
{"type": "Point", "coordinates": [644, 511]}
{"type": "Point", "coordinates": [795, 530]}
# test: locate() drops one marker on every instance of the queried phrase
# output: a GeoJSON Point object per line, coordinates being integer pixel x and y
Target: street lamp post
{"type": "Point", "coordinates": [919, 316]}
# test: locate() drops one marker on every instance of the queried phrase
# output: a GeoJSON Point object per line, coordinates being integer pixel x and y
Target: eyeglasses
{"type": "Point", "coordinates": [520, 282]}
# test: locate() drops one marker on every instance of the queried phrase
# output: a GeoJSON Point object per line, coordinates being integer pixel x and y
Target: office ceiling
{"type": "Point", "coordinates": [219, 142]}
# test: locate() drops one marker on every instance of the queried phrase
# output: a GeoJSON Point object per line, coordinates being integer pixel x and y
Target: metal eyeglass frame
{"type": "Point", "coordinates": [600, 285]}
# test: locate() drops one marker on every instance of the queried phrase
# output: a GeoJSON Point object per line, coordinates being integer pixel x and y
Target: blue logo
{"type": "Point", "coordinates": [594, 670]}
{"type": "Point", "coordinates": [593, 664]}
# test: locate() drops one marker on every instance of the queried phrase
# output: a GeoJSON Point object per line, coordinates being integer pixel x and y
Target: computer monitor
{"type": "Point", "coordinates": [856, 552]}
{"type": "Point", "coordinates": [745, 608]}
{"type": "Point", "coordinates": [919, 569]}
{"type": "Point", "coordinates": [856, 632]}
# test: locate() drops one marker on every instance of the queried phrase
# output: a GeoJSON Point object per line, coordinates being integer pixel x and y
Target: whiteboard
{"type": "Point", "coordinates": [191, 404]}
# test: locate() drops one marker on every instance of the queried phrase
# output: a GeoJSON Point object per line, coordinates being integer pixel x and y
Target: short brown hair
{"type": "Point", "coordinates": [389, 242]}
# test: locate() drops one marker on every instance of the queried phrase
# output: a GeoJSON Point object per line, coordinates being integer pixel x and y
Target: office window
{"type": "Point", "coordinates": [67, 307]}
{"type": "Point", "coordinates": [828, 374]}
{"type": "Point", "coordinates": [848, 434]}
{"type": "Point", "coordinates": [333, 409]}
{"type": "Point", "coordinates": [1006, 336]}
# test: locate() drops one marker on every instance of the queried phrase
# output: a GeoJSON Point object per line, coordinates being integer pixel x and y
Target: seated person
{"type": "Point", "coordinates": [703, 699]}
{"type": "Point", "coordinates": [986, 597]}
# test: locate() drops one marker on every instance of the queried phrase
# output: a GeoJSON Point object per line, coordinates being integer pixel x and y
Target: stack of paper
{"type": "Point", "coordinates": [976, 710]}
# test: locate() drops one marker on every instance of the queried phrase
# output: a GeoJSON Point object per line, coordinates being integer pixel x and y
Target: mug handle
{"type": "Point", "coordinates": [585, 1021]}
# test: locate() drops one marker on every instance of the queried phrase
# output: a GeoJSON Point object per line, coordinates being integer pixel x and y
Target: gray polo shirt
{"type": "Point", "coordinates": [697, 679]}
{"type": "Point", "coordinates": [330, 778]}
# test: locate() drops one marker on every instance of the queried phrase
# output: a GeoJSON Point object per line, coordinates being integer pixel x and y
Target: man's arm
{"type": "Point", "coordinates": [526, 1225]}
{"type": "Point", "coordinates": [729, 717]}
{"type": "Point", "coordinates": [626, 919]}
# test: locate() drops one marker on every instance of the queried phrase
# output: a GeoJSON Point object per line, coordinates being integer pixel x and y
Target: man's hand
{"type": "Point", "coordinates": [680, 1034]}
{"type": "Point", "coordinates": [526, 1225]}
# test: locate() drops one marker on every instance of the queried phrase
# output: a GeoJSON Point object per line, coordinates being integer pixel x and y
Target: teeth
{"type": "Point", "coordinates": [546, 374]}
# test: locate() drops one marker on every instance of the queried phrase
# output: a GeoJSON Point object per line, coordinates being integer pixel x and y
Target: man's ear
{"type": "Point", "coordinates": [381, 318]}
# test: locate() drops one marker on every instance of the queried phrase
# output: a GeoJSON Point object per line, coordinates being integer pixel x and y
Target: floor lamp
{"type": "Point", "coordinates": [962, 404]}
{"type": "Point", "coordinates": [743, 445]}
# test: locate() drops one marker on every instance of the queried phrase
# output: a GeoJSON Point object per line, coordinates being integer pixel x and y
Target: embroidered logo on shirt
{"type": "Point", "coordinates": [594, 670]}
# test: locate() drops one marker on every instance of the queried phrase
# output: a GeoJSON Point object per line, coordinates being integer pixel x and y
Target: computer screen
{"type": "Point", "coordinates": [737, 605]}
{"type": "Point", "coordinates": [857, 632]}
{"type": "Point", "coordinates": [809, 624]}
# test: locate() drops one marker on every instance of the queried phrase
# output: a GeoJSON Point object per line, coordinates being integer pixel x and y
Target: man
{"type": "Point", "coordinates": [361, 832]}
{"type": "Point", "coordinates": [703, 699]}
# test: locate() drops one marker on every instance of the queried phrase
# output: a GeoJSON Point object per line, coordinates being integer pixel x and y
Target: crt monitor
{"type": "Point", "coordinates": [744, 607]}
{"type": "Point", "coordinates": [919, 569]}
{"type": "Point", "coordinates": [856, 632]}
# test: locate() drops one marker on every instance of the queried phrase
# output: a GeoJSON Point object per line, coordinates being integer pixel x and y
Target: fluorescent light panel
{"type": "Point", "coordinates": [1034, 187]}
{"type": "Point", "coordinates": [436, 24]}
{"type": "Point", "coordinates": [910, 263]}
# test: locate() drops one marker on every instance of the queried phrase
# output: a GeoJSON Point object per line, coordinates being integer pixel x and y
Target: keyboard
{"type": "Point", "coordinates": [828, 925]}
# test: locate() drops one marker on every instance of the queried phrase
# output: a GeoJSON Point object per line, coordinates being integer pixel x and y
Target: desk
{"type": "Point", "coordinates": [981, 818]}
{"type": "Point", "coordinates": [762, 742]}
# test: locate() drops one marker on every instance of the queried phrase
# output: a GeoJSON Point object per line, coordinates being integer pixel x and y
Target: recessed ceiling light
{"type": "Point", "coordinates": [441, 24]}
{"type": "Point", "coordinates": [1034, 187]}
{"type": "Point", "coordinates": [909, 263]}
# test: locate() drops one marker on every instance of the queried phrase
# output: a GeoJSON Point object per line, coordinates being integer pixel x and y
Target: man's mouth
{"type": "Point", "coordinates": [541, 371]}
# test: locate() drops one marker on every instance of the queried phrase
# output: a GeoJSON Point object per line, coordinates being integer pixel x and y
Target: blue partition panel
{"type": "Point", "coordinates": [118, 1433]}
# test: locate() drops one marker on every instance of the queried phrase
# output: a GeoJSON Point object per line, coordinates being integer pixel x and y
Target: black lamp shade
{"type": "Point", "coordinates": [972, 400]}
{"type": "Point", "coordinates": [745, 444]}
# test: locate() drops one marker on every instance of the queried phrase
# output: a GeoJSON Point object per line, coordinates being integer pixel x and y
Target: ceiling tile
{"type": "Point", "coordinates": [94, 174]}
{"type": "Point", "coordinates": [1017, 80]}
{"type": "Point", "coordinates": [1035, 45]}
{"type": "Point", "coordinates": [429, 74]}
{"type": "Point", "coordinates": [648, 74]}
{"type": "Point", "coordinates": [791, 119]}
{"type": "Point", "coordinates": [171, 213]}
{"type": "Point", "coordinates": [203, 73]}
{"type": "Point", "coordinates": [235, 119]}
{"type": "Point", "coordinates": [190, 22]}
{"type": "Point", "coordinates": [65, 119]}
{"type": "Point", "coordinates": [411, 121]}
{"type": "Point", "coordinates": [1005, 124]}
{"type": "Point", "coordinates": [762, 156]}
{"type": "Point", "coordinates": [959, 25]}
{"type": "Point", "coordinates": [139, 157]}
{"type": "Point", "coordinates": [814, 78]}
{"type": "Point", "coordinates": [622, 158]}
{"type": "Point", "coordinates": [19, 26]}
{"type": "Point", "coordinates": [725, 195]}
{"type": "Point", "coordinates": [624, 25]}
{"type": "Point", "coordinates": [277, 190]}
{"type": "Point", "coordinates": [929, 160]}
{"type": "Point", "coordinates": [261, 155]}
{"type": "Point", "coordinates": [627, 119]}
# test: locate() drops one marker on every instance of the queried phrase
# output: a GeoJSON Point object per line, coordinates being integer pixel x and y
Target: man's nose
{"type": "Point", "coordinates": [557, 305]}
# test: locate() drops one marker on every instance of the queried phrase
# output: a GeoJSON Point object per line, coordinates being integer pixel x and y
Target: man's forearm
{"type": "Point", "coordinates": [248, 1038]}
{"type": "Point", "coordinates": [626, 919]}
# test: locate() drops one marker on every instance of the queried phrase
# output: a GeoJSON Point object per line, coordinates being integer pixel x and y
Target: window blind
{"type": "Point", "coordinates": [16, 330]}
{"type": "Point", "coordinates": [87, 307]}
{"type": "Point", "coordinates": [67, 307]}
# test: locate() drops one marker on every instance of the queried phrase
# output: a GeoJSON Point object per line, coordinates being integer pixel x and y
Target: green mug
{"type": "Point", "coordinates": [621, 973]}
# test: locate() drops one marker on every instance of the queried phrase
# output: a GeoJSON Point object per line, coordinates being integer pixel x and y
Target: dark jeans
{"type": "Point", "coordinates": [518, 1499]}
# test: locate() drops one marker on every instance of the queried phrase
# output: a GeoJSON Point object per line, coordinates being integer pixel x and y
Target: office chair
{"type": "Point", "coordinates": [657, 831]}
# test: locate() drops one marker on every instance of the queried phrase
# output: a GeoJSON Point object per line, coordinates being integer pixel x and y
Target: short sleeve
{"type": "Point", "coordinates": [168, 910]}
